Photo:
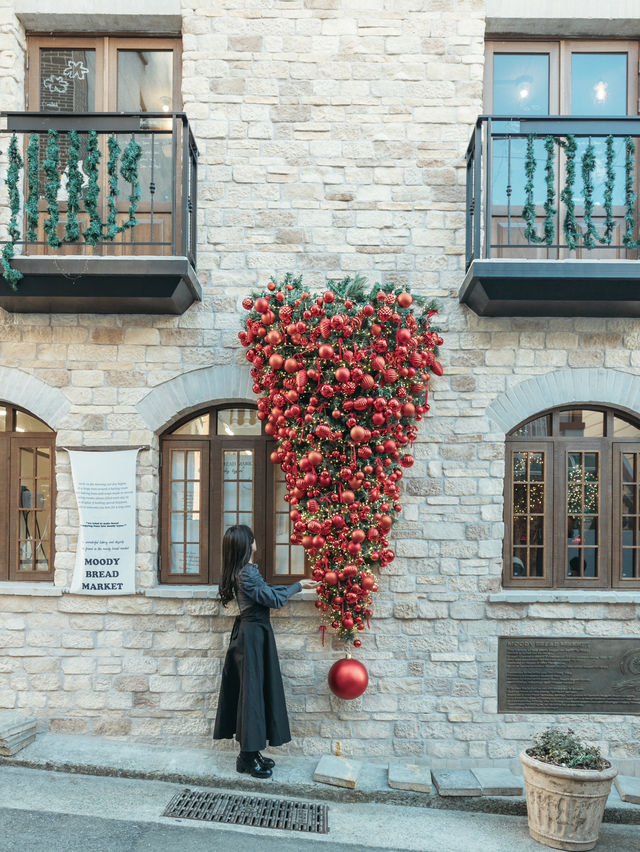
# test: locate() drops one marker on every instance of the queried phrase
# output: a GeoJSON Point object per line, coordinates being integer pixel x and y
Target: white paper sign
{"type": "Point", "coordinates": [105, 486]}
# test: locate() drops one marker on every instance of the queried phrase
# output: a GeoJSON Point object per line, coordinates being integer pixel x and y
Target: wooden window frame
{"type": "Point", "coordinates": [212, 447]}
{"type": "Point", "coordinates": [11, 442]}
{"type": "Point", "coordinates": [556, 448]}
{"type": "Point", "coordinates": [559, 52]}
{"type": "Point", "coordinates": [106, 48]}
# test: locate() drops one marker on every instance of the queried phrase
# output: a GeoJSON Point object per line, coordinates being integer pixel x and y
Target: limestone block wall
{"type": "Point", "coordinates": [332, 136]}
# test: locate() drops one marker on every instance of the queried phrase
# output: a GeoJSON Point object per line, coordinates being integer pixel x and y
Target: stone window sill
{"type": "Point", "coordinates": [42, 590]}
{"type": "Point", "coordinates": [573, 596]}
{"type": "Point", "coordinates": [208, 592]}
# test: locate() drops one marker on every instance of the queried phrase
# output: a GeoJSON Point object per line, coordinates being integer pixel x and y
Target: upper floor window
{"type": "Point", "coordinates": [572, 501]}
{"type": "Point", "coordinates": [216, 472]}
{"type": "Point", "coordinates": [585, 78]}
{"type": "Point", "coordinates": [27, 491]}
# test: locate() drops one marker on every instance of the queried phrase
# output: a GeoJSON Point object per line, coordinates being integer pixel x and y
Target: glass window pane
{"type": "Point", "coordinates": [599, 84]}
{"type": "Point", "coordinates": [536, 566]}
{"type": "Point", "coordinates": [590, 555]}
{"type": "Point", "coordinates": [3, 418]}
{"type": "Point", "coordinates": [521, 84]}
{"type": "Point", "coordinates": [520, 562]}
{"type": "Point", "coordinates": [177, 526]}
{"type": "Point", "coordinates": [282, 528]}
{"type": "Point", "coordinates": [629, 560]}
{"type": "Point", "coordinates": [574, 562]}
{"type": "Point", "coordinates": [27, 462]}
{"type": "Point", "coordinates": [193, 464]}
{"type": "Point", "coordinates": [282, 559]}
{"type": "Point", "coordinates": [67, 80]}
{"type": "Point", "coordinates": [193, 527]}
{"type": "Point", "coordinates": [177, 464]}
{"type": "Point", "coordinates": [245, 496]}
{"type": "Point", "coordinates": [230, 465]}
{"type": "Point", "coordinates": [628, 467]}
{"type": "Point", "coordinates": [177, 496]}
{"type": "Point", "coordinates": [245, 468]}
{"type": "Point", "coordinates": [536, 466]}
{"type": "Point", "coordinates": [621, 428]}
{"type": "Point", "coordinates": [536, 498]}
{"type": "Point", "coordinates": [145, 81]}
{"type": "Point", "coordinates": [43, 463]}
{"type": "Point", "coordinates": [192, 558]}
{"type": "Point", "coordinates": [177, 559]}
{"type": "Point", "coordinates": [197, 426]}
{"type": "Point", "coordinates": [230, 496]}
{"type": "Point", "coordinates": [519, 467]}
{"type": "Point", "coordinates": [296, 560]}
{"type": "Point", "coordinates": [580, 423]}
{"type": "Point", "coordinates": [539, 428]}
{"type": "Point", "coordinates": [239, 421]}
{"type": "Point", "coordinates": [27, 423]}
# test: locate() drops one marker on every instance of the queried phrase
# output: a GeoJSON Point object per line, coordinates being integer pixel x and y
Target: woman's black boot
{"type": "Point", "coordinates": [247, 761]}
{"type": "Point", "coordinates": [265, 762]}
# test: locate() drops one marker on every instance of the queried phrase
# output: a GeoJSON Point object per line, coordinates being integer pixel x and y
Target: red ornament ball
{"type": "Point", "coordinates": [348, 678]}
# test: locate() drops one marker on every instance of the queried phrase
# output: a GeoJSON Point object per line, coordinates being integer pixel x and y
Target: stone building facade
{"type": "Point", "coordinates": [332, 139]}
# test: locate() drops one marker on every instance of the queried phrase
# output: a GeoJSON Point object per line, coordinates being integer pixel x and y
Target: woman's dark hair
{"type": "Point", "coordinates": [236, 553]}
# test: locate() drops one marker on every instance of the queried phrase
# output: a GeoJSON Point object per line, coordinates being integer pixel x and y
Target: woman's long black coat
{"type": "Point", "coordinates": [251, 703]}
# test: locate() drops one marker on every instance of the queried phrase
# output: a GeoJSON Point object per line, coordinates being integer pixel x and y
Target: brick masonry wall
{"type": "Point", "coordinates": [332, 136]}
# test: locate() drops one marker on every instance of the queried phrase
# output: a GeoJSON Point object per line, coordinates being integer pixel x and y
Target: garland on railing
{"type": "Point", "coordinates": [33, 187]}
{"type": "Point", "coordinates": [590, 235]}
{"type": "Point", "coordinates": [12, 275]}
{"type": "Point", "coordinates": [93, 232]}
{"type": "Point", "coordinates": [96, 230]}
{"type": "Point", "coordinates": [529, 210]}
{"type": "Point", "coordinates": [52, 187]}
{"type": "Point", "coordinates": [74, 189]}
{"type": "Point", "coordinates": [129, 171]}
{"type": "Point", "coordinates": [112, 201]}
{"type": "Point", "coordinates": [629, 194]}
{"type": "Point", "coordinates": [570, 225]}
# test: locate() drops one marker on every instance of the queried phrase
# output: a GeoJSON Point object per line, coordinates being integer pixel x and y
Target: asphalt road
{"type": "Point", "coordinates": [42, 811]}
{"type": "Point", "coordinates": [29, 831]}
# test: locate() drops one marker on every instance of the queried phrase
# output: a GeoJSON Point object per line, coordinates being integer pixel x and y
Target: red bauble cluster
{"type": "Point", "coordinates": [342, 379]}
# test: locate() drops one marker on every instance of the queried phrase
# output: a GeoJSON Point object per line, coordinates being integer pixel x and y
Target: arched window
{"type": "Point", "coordinates": [216, 472]}
{"type": "Point", "coordinates": [572, 501]}
{"type": "Point", "coordinates": [27, 491]}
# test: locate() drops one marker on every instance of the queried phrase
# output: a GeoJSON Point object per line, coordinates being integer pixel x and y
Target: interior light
{"type": "Point", "coordinates": [523, 87]}
{"type": "Point", "coordinates": [165, 102]}
{"type": "Point", "coordinates": [600, 90]}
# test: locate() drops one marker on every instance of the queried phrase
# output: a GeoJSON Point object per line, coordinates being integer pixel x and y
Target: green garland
{"type": "Point", "coordinates": [33, 187]}
{"type": "Point", "coordinates": [51, 188]}
{"type": "Point", "coordinates": [129, 171]}
{"type": "Point", "coordinates": [566, 196]}
{"type": "Point", "coordinates": [112, 171]}
{"type": "Point", "coordinates": [629, 194]}
{"type": "Point", "coordinates": [93, 233]}
{"type": "Point", "coordinates": [590, 236]}
{"type": "Point", "coordinates": [11, 275]}
{"type": "Point", "coordinates": [74, 189]}
{"type": "Point", "coordinates": [529, 210]}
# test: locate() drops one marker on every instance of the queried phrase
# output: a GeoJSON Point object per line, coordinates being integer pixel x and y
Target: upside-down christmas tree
{"type": "Point", "coordinates": [342, 378]}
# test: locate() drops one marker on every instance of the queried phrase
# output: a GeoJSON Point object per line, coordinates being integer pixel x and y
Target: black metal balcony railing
{"type": "Point", "coordinates": [101, 188]}
{"type": "Point", "coordinates": [552, 187]}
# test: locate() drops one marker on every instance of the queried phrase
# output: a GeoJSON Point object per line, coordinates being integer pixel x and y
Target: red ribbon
{"type": "Point", "coordinates": [323, 628]}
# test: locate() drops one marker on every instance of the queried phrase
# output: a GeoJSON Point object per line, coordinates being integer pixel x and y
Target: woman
{"type": "Point", "coordinates": [251, 703]}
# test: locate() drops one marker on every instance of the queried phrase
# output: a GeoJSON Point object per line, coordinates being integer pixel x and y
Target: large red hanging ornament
{"type": "Point", "coordinates": [348, 678]}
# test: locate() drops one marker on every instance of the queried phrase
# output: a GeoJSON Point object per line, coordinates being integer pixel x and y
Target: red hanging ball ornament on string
{"type": "Point", "coordinates": [348, 678]}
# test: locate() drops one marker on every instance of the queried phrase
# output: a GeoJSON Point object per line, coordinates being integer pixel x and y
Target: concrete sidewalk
{"type": "Point", "coordinates": [293, 775]}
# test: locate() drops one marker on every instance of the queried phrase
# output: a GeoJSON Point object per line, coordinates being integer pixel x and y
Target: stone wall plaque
{"type": "Point", "coordinates": [540, 674]}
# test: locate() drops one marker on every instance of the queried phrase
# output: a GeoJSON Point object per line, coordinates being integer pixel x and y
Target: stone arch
{"type": "Point", "coordinates": [191, 391]}
{"type": "Point", "coordinates": [562, 387]}
{"type": "Point", "coordinates": [31, 393]}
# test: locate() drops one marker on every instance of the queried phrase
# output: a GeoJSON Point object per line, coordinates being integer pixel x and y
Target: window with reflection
{"type": "Point", "coordinates": [27, 490]}
{"type": "Point", "coordinates": [572, 506]}
{"type": "Point", "coordinates": [216, 472]}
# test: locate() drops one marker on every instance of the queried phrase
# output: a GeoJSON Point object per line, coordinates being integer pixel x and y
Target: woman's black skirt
{"type": "Point", "coordinates": [252, 704]}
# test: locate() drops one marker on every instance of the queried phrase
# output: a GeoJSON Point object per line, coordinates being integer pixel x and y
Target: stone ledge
{"type": "Point", "coordinates": [539, 596]}
{"type": "Point", "coordinates": [38, 590]}
{"type": "Point", "coordinates": [206, 592]}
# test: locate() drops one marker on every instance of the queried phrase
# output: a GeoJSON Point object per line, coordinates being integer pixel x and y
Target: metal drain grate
{"type": "Point", "coordinates": [249, 810]}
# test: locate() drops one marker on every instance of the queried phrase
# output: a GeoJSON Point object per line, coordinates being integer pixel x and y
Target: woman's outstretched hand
{"type": "Point", "coordinates": [308, 584]}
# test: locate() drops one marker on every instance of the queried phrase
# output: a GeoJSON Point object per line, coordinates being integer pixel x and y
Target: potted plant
{"type": "Point", "coordinates": [567, 784]}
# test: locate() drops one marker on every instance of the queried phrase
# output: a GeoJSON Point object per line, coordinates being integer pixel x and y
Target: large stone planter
{"type": "Point", "coordinates": [565, 806]}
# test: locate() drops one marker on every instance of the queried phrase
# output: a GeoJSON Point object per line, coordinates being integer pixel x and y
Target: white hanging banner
{"type": "Point", "coordinates": [105, 486]}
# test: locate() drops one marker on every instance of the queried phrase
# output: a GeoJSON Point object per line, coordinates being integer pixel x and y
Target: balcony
{"type": "Point", "coordinates": [102, 213]}
{"type": "Point", "coordinates": [552, 213]}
